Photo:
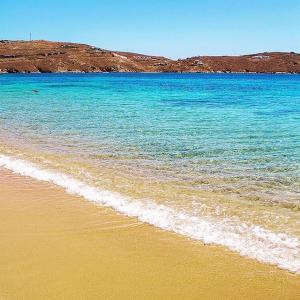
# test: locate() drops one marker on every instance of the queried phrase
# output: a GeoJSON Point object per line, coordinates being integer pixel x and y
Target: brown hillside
{"type": "Point", "coordinates": [45, 56]}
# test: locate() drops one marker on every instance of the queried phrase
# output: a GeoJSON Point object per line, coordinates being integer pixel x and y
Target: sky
{"type": "Point", "coordinates": [175, 29]}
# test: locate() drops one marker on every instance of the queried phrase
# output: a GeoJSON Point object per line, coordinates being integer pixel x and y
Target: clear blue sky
{"type": "Point", "coordinates": [177, 28]}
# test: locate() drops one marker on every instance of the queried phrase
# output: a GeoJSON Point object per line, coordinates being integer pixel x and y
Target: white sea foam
{"type": "Point", "coordinates": [249, 240]}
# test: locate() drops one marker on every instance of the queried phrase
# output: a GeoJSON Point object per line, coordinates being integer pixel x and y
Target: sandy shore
{"type": "Point", "coordinates": [59, 246]}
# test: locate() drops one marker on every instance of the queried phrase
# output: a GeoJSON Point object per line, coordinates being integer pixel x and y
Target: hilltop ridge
{"type": "Point", "coordinates": [48, 57]}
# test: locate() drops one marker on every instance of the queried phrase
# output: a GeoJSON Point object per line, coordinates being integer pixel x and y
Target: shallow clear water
{"type": "Point", "coordinates": [220, 149]}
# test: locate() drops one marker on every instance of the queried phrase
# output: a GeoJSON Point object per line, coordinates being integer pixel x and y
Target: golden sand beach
{"type": "Point", "coordinates": [58, 246]}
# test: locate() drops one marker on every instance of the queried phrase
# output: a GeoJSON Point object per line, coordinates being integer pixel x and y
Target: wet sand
{"type": "Point", "coordinates": [59, 246]}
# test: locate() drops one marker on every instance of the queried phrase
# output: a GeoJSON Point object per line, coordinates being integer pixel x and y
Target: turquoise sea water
{"type": "Point", "coordinates": [212, 148]}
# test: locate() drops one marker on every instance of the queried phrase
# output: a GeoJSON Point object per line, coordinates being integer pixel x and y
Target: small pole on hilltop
{"type": "Point", "coordinates": [30, 36]}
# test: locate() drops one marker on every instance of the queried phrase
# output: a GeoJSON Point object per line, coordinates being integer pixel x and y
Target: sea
{"type": "Point", "coordinates": [213, 157]}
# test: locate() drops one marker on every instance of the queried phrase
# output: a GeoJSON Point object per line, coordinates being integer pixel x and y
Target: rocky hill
{"type": "Point", "coordinates": [45, 56]}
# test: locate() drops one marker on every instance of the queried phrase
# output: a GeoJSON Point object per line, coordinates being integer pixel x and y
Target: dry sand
{"type": "Point", "coordinates": [58, 246]}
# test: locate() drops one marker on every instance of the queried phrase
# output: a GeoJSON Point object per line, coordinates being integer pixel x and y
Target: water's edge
{"type": "Point", "coordinates": [251, 241]}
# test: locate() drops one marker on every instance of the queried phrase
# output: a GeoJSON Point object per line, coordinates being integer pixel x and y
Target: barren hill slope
{"type": "Point", "coordinates": [46, 56]}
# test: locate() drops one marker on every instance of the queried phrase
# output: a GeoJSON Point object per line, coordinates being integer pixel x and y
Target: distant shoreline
{"type": "Point", "coordinates": [62, 57]}
{"type": "Point", "coordinates": [81, 72]}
